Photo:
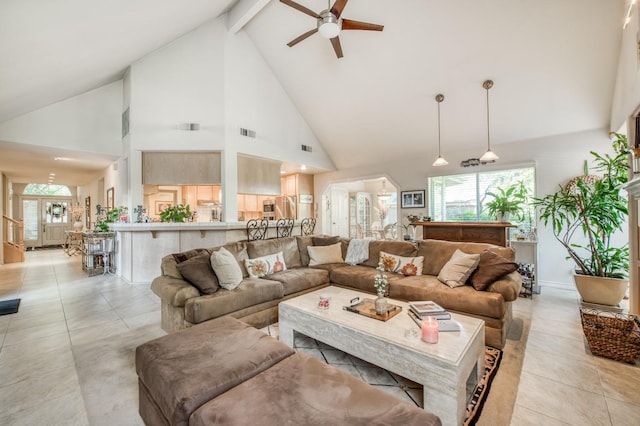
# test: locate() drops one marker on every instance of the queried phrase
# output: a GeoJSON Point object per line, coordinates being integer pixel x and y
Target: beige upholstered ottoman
{"type": "Point", "coordinates": [180, 372]}
{"type": "Point", "coordinates": [300, 390]}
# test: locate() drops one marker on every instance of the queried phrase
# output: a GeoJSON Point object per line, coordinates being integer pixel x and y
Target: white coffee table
{"type": "Point", "coordinates": [448, 370]}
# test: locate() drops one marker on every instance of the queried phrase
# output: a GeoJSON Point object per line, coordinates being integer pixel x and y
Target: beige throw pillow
{"type": "Point", "coordinates": [456, 271]}
{"type": "Point", "coordinates": [320, 255]}
{"type": "Point", "coordinates": [226, 267]}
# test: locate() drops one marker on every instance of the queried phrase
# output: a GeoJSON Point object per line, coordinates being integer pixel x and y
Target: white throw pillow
{"type": "Point", "coordinates": [226, 267]}
{"type": "Point", "coordinates": [319, 255]}
{"type": "Point", "coordinates": [402, 265]}
{"type": "Point", "coordinates": [456, 271]}
{"type": "Point", "coordinates": [265, 265]}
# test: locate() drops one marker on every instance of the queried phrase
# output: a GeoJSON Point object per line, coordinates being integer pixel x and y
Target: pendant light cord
{"type": "Point", "coordinates": [488, 127]}
{"type": "Point", "coordinates": [439, 129]}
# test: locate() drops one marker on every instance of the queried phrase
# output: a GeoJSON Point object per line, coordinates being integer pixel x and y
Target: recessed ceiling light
{"type": "Point", "coordinates": [303, 167]}
{"type": "Point", "coordinates": [62, 158]}
{"type": "Point", "coordinates": [282, 172]}
{"type": "Point", "coordinates": [52, 174]}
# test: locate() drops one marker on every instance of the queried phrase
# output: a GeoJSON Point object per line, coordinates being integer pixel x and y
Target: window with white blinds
{"type": "Point", "coordinates": [459, 198]}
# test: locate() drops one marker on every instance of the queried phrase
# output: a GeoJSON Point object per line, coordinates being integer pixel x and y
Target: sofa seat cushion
{"type": "Point", "coordinates": [185, 369]}
{"type": "Point", "coordinates": [251, 291]}
{"type": "Point", "coordinates": [461, 299]}
{"type": "Point", "coordinates": [360, 277]}
{"type": "Point", "coordinates": [300, 390]}
{"type": "Point", "coordinates": [298, 279]}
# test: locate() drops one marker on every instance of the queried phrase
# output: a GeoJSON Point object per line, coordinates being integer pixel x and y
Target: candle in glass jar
{"type": "Point", "coordinates": [430, 330]}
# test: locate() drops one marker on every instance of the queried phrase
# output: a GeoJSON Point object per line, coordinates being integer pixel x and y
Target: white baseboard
{"type": "Point", "coordinates": [557, 284]}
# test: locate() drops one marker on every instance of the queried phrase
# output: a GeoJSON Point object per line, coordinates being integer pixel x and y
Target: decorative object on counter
{"type": "Point", "coordinates": [307, 225]}
{"type": "Point", "coordinates": [380, 283]}
{"type": "Point", "coordinates": [284, 228]}
{"type": "Point", "coordinates": [412, 199]}
{"type": "Point", "coordinates": [593, 205]}
{"type": "Point", "coordinates": [77, 211]}
{"type": "Point", "coordinates": [104, 218]}
{"type": "Point", "coordinates": [507, 201]}
{"type": "Point", "coordinates": [257, 230]}
{"type": "Point", "coordinates": [176, 214]}
{"type": "Point", "coordinates": [139, 211]}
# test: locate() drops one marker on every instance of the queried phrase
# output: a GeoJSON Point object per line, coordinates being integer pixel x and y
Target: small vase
{"type": "Point", "coordinates": [77, 225]}
{"type": "Point", "coordinates": [381, 305]}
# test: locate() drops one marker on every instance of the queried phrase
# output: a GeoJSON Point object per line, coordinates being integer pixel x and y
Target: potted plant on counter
{"type": "Point", "coordinates": [507, 201]}
{"type": "Point", "coordinates": [593, 207]}
{"type": "Point", "coordinates": [179, 213]}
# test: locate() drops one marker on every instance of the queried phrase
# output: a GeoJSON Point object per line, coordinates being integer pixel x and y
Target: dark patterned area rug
{"type": "Point", "coordinates": [9, 306]}
{"type": "Point", "coordinates": [394, 384]}
{"type": "Point", "coordinates": [492, 358]}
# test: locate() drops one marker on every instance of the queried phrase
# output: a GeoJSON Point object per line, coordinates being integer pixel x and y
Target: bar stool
{"type": "Point", "coordinates": [307, 225]}
{"type": "Point", "coordinates": [257, 230]}
{"type": "Point", "coordinates": [284, 228]}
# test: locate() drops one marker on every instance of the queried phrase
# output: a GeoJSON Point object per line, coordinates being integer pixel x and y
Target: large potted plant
{"type": "Point", "coordinates": [507, 201]}
{"type": "Point", "coordinates": [584, 214]}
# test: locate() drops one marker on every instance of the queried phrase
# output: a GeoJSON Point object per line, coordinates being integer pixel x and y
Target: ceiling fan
{"type": "Point", "coordinates": [330, 24]}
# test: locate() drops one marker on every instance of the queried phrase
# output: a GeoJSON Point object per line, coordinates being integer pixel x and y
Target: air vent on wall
{"type": "Point", "coordinates": [248, 133]}
{"type": "Point", "coordinates": [307, 148]}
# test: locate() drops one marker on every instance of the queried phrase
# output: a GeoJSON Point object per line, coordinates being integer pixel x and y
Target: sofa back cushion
{"type": "Point", "coordinates": [400, 248]}
{"type": "Point", "coordinates": [438, 252]}
{"type": "Point", "coordinates": [239, 250]}
{"type": "Point", "coordinates": [303, 243]}
{"type": "Point", "coordinates": [288, 246]}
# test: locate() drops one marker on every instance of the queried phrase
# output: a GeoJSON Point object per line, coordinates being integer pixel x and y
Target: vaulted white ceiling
{"type": "Point", "coordinates": [553, 63]}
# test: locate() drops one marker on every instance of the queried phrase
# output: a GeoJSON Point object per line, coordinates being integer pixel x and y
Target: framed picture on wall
{"type": "Point", "coordinates": [412, 199]}
{"type": "Point", "coordinates": [87, 212]}
{"type": "Point", "coordinates": [110, 199]}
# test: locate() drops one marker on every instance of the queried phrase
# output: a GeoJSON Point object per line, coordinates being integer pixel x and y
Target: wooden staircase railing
{"type": "Point", "coordinates": [13, 243]}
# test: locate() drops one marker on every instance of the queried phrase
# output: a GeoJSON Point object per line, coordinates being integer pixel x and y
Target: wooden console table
{"type": "Point", "coordinates": [473, 232]}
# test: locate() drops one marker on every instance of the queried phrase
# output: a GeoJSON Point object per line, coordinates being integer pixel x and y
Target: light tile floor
{"type": "Point", "coordinates": [66, 358]}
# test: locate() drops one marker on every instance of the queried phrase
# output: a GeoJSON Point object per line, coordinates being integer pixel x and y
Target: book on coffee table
{"type": "Point", "coordinates": [443, 325]}
{"type": "Point", "coordinates": [426, 307]}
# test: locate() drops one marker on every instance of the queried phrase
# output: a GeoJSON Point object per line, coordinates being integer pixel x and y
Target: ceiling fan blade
{"type": "Point", "coordinates": [335, 42]}
{"type": "Point", "coordinates": [302, 37]}
{"type": "Point", "coordinates": [301, 8]}
{"type": "Point", "coordinates": [338, 7]}
{"type": "Point", "coordinates": [348, 24]}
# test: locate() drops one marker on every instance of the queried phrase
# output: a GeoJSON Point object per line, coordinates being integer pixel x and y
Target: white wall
{"type": "Point", "coordinates": [557, 158]}
{"type": "Point", "coordinates": [627, 92]}
{"type": "Point", "coordinates": [89, 122]}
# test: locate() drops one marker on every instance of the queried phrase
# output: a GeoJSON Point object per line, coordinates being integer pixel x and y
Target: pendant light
{"type": "Point", "coordinates": [439, 161]}
{"type": "Point", "coordinates": [489, 156]}
{"type": "Point", "coordinates": [384, 195]}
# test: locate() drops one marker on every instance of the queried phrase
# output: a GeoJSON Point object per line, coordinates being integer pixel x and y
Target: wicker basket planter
{"type": "Point", "coordinates": [612, 335]}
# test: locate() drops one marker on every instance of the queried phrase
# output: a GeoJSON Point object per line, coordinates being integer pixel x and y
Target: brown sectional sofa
{"type": "Point", "coordinates": [225, 372]}
{"type": "Point", "coordinates": [255, 301]}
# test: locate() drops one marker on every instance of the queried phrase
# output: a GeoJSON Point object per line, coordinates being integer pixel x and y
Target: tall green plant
{"type": "Point", "coordinates": [594, 207]}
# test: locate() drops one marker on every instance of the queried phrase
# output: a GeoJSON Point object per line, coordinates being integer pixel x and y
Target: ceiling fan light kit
{"type": "Point", "coordinates": [330, 24]}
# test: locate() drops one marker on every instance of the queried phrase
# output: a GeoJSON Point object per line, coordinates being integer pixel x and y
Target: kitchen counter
{"type": "Point", "coordinates": [140, 247]}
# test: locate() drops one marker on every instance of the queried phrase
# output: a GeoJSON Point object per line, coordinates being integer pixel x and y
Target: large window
{"type": "Point", "coordinates": [462, 197]}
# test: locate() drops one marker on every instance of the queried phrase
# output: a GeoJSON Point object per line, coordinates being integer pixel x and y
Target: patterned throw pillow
{"type": "Point", "coordinates": [265, 265]}
{"type": "Point", "coordinates": [402, 265]}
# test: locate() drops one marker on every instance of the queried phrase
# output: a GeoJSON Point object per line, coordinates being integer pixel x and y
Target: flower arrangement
{"type": "Point", "coordinates": [380, 280]}
{"type": "Point", "coordinates": [76, 211]}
